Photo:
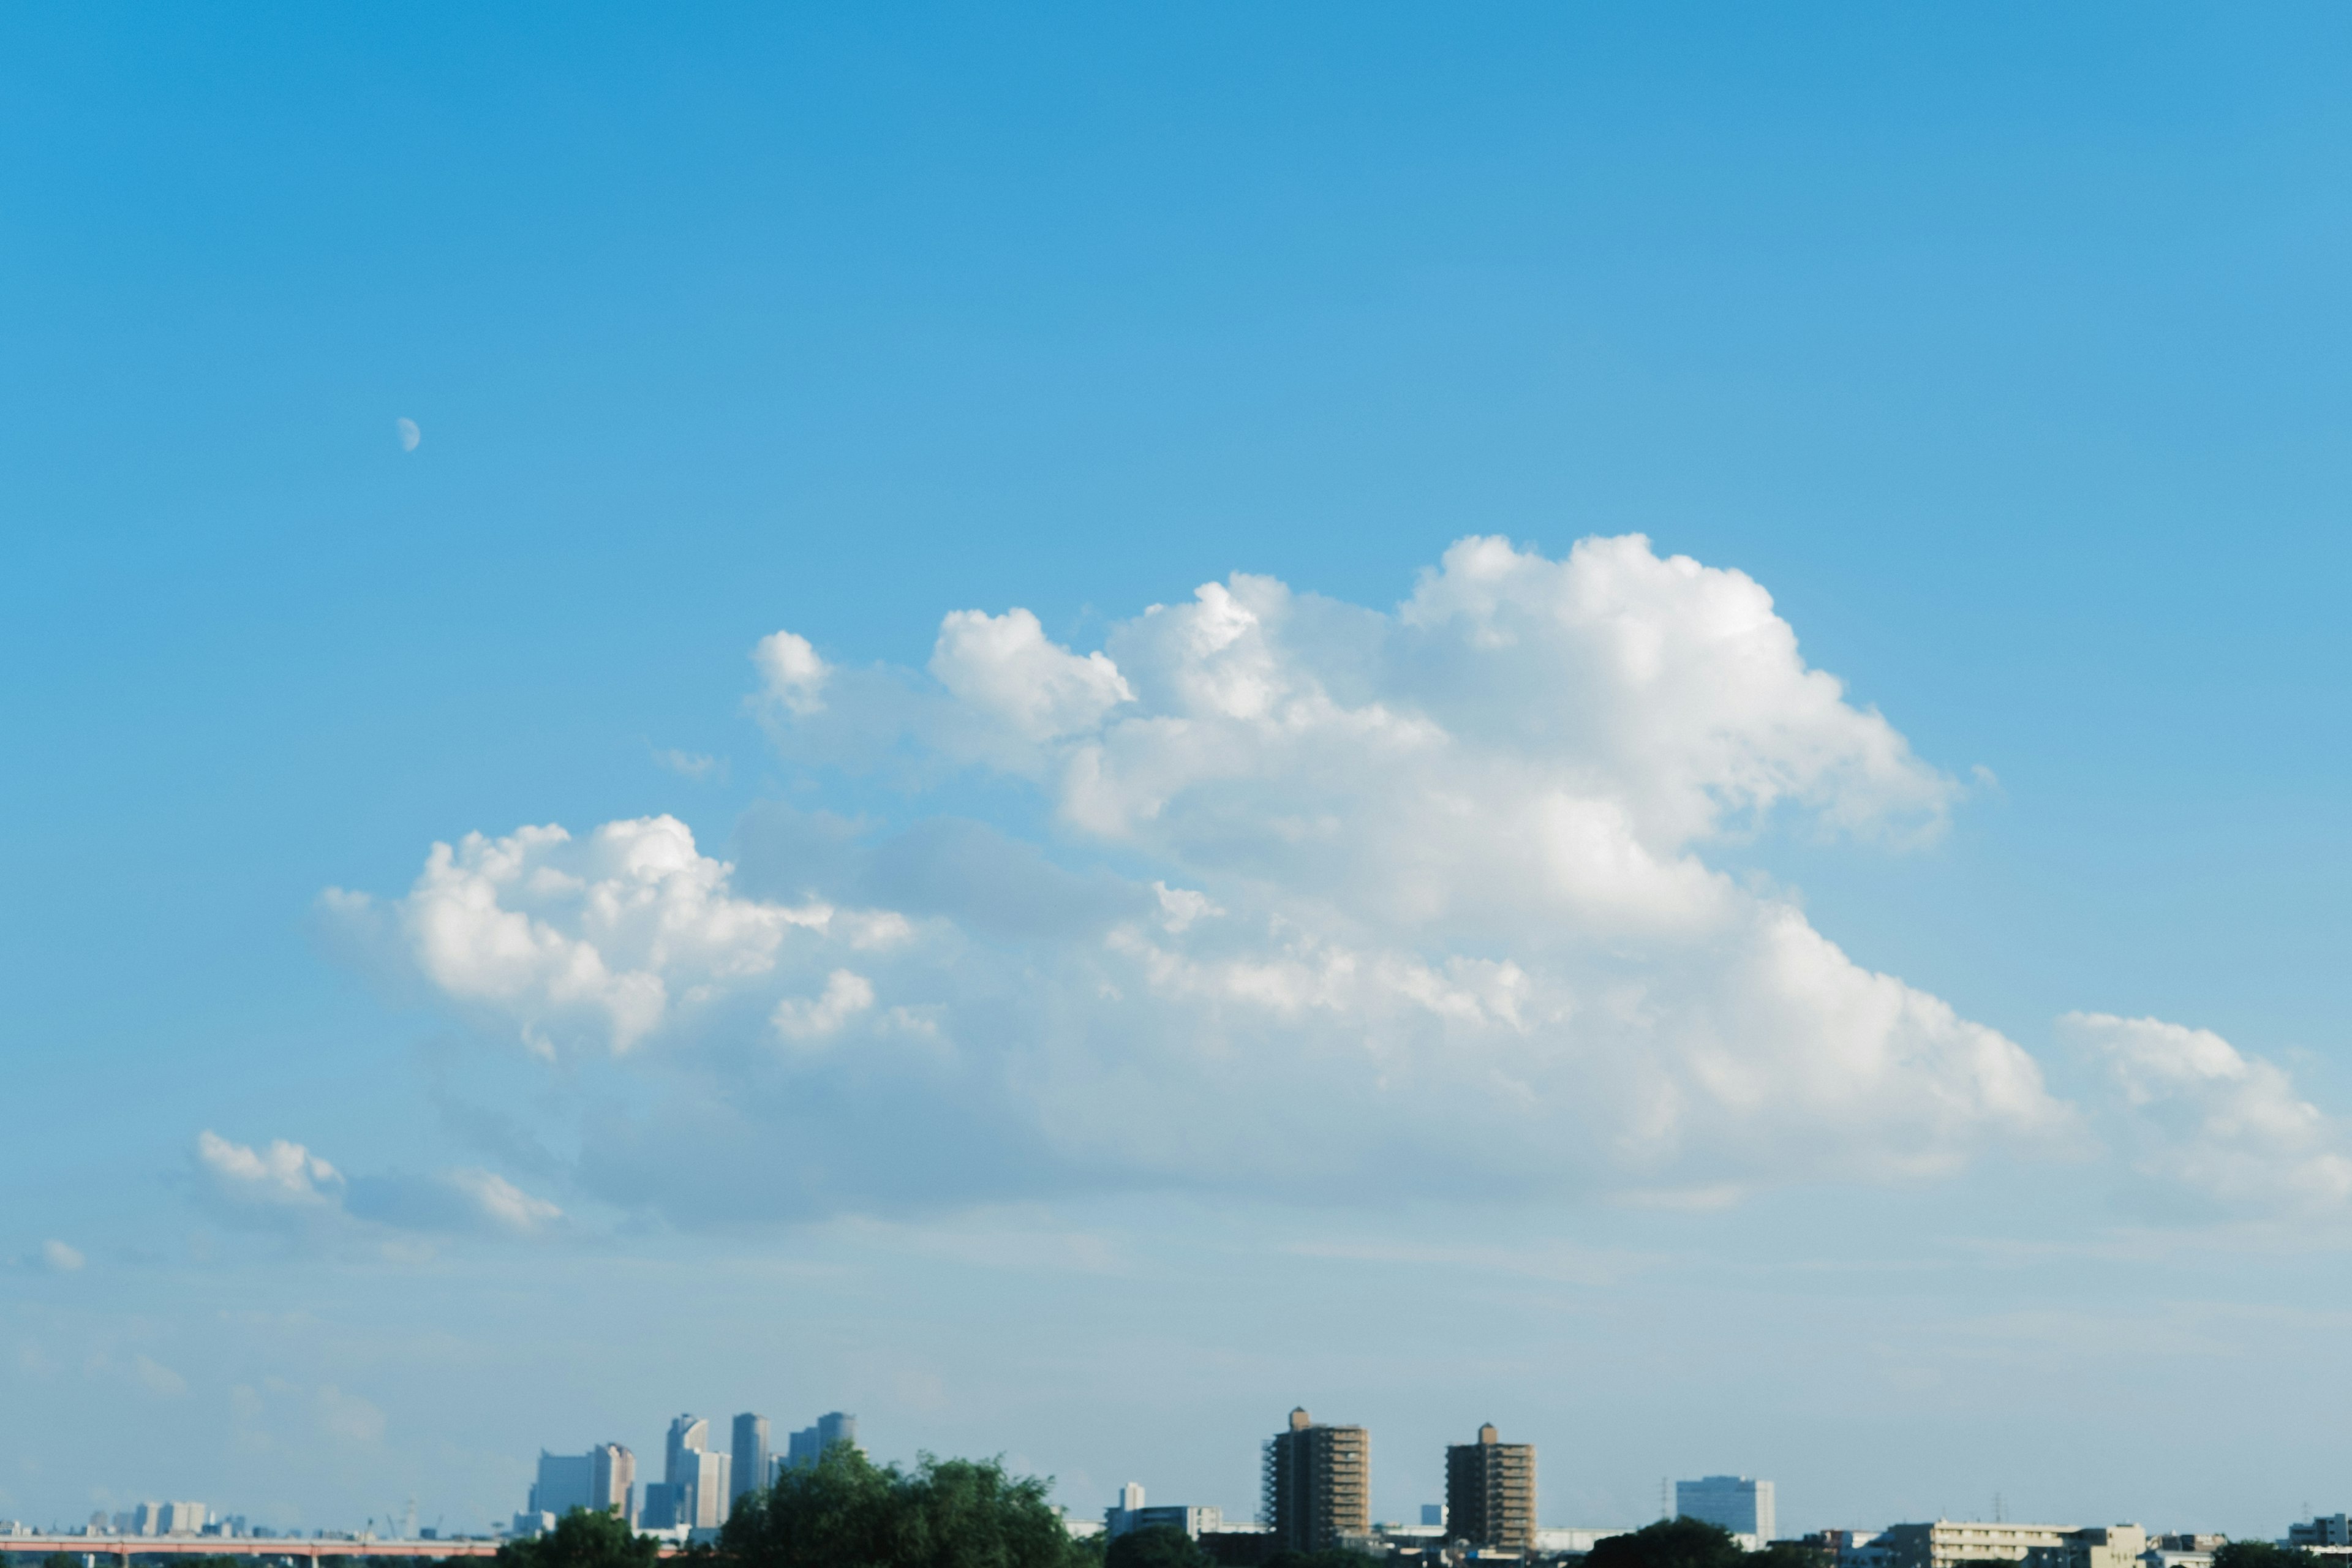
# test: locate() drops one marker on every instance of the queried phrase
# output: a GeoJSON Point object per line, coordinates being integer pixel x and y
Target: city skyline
{"type": "Point", "coordinates": [1067, 726]}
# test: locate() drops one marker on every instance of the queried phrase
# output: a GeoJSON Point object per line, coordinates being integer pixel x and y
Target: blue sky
{"type": "Point", "coordinates": [2004, 350]}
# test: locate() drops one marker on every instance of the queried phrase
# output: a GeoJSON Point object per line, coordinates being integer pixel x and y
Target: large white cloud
{"type": "Point", "coordinates": [603, 939]}
{"type": "Point", "coordinates": [1404, 900]}
{"type": "Point", "coordinates": [2215, 1128]}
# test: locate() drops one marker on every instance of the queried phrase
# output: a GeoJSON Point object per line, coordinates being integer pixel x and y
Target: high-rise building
{"type": "Point", "coordinates": [1319, 1484]}
{"type": "Point", "coordinates": [565, 1481]}
{"type": "Point", "coordinates": [694, 1479]}
{"type": "Point", "coordinates": [1490, 1491]}
{"type": "Point", "coordinates": [1738, 1504]}
{"type": "Point", "coordinates": [613, 1483]}
{"type": "Point", "coordinates": [749, 1471]}
{"type": "Point", "coordinates": [603, 1480]}
{"type": "Point", "coordinates": [808, 1445]}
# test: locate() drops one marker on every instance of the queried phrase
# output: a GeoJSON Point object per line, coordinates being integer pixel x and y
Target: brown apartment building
{"type": "Point", "coordinates": [1319, 1484]}
{"type": "Point", "coordinates": [1490, 1492]}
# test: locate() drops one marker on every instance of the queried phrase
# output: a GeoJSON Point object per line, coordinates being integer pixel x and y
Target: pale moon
{"type": "Point", "coordinates": [409, 434]}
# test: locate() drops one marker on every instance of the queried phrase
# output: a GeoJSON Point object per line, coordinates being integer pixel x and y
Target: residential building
{"type": "Point", "coordinates": [1948, 1543]}
{"type": "Point", "coordinates": [1434, 1513]}
{"type": "Point", "coordinates": [808, 1445]}
{"type": "Point", "coordinates": [1131, 1513]}
{"type": "Point", "coordinates": [750, 1460]}
{"type": "Point", "coordinates": [1740, 1504]}
{"type": "Point", "coordinates": [1317, 1484]}
{"type": "Point", "coordinates": [2113, 1546]}
{"type": "Point", "coordinates": [2327, 1529]}
{"type": "Point", "coordinates": [1490, 1491]}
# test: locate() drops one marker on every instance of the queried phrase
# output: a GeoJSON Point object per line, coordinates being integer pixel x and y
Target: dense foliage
{"type": "Point", "coordinates": [845, 1511]}
{"type": "Point", "coordinates": [1669, 1543]}
{"type": "Point", "coordinates": [1161, 1546]}
{"type": "Point", "coordinates": [2263, 1555]}
{"type": "Point", "coordinates": [585, 1537]}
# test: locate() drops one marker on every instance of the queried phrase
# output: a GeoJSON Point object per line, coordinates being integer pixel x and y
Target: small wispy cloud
{"type": "Point", "coordinates": [60, 1258]}
{"type": "Point", "coordinates": [694, 765]}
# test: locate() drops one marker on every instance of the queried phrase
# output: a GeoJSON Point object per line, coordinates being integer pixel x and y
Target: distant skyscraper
{"type": "Point", "coordinates": [566, 1481]}
{"type": "Point", "coordinates": [603, 1480]}
{"type": "Point", "coordinates": [808, 1445]}
{"type": "Point", "coordinates": [1317, 1484]}
{"type": "Point", "coordinates": [1741, 1506]}
{"type": "Point", "coordinates": [750, 1456]}
{"type": "Point", "coordinates": [694, 1479]}
{"type": "Point", "coordinates": [613, 1482]}
{"type": "Point", "coordinates": [1490, 1492]}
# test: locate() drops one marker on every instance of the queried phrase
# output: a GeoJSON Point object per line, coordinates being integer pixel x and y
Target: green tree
{"type": "Point", "coordinates": [1326, 1557]}
{"type": "Point", "coordinates": [1161, 1546]}
{"type": "Point", "coordinates": [845, 1511]}
{"type": "Point", "coordinates": [1669, 1543]}
{"type": "Point", "coordinates": [583, 1538]}
{"type": "Point", "coordinates": [2263, 1555]}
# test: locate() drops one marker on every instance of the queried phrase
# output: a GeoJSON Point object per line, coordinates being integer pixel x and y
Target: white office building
{"type": "Point", "coordinates": [693, 1493]}
{"type": "Point", "coordinates": [1739, 1503]}
{"type": "Point", "coordinates": [1131, 1513]}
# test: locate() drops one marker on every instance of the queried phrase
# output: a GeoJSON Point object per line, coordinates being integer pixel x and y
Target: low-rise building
{"type": "Point", "coordinates": [2109, 1546]}
{"type": "Point", "coordinates": [1948, 1543]}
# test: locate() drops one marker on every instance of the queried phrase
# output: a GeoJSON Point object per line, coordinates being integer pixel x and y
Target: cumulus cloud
{"type": "Point", "coordinates": [2213, 1128]}
{"type": "Point", "coordinates": [585, 942]}
{"type": "Point", "coordinates": [1340, 900]}
{"type": "Point", "coordinates": [792, 673]}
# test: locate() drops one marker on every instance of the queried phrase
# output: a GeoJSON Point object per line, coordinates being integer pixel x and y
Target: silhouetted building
{"type": "Point", "coordinates": [1490, 1492]}
{"type": "Point", "coordinates": [1319, 1484]}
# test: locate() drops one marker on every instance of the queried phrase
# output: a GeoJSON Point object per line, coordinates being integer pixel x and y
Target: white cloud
{"type": "Point", "coordinates": [2208, 1123]}
{"type": "Point", "coordinates": [282, 1176]}
{"type": "Point", "coordinates": [503, 1204]}
{"type": "Point", "coordinates": [792, 672]}
{"type": "Point", "coordinates": [1004, 668]}
{"type": "Point", "coordinates": [61, 1258]}
{"type": "Point", "coordinates": [696, 766]}
{"type": "Point", "coordinates": [284, 1183]}
{"type": "Point", "coordinates": [1413, 898]}
{"type": "Point", "coordinates": [847, 994]}
{"type": "Point", "coordinates": [599, 941]}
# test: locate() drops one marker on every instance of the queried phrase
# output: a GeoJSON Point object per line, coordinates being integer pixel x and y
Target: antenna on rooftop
{"type": "Point", "coordinates": [1996, 1508]}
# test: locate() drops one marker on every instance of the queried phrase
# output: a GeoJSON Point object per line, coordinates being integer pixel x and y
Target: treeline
{"type": "Point", "coordinates": [846, 1511]}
